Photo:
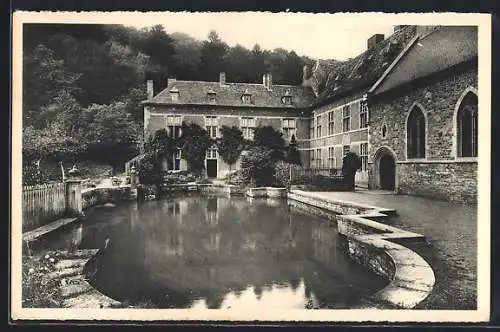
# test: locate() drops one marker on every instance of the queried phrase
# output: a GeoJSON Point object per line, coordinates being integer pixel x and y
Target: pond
{"type": "Point", "coordinates": [219, 252]}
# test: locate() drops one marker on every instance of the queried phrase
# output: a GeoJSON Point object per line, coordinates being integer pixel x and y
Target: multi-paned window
{"type": "Point", "coordinates": [467, 123]}
{"type": "Point", "coordinates": [211, 126]}
{"type": "Point", "coordinates": [319, 158]}
{"type": "Point", "coordinates": [246, 98]}
{"type": "Point", "coordinates": [211, 97]}
{"type": "Point", "coordinates": [332, 163]}
{"type": "Point", "coordinates": [174, 163]}
{"type": "Point", "coordinates": [311, 159]}
{"type": "Point", "coordinates": [289, 128]}
{"type": "Point", "coordinates": [174, 123]}
{"type": "Point", "coordinates": [331, 123]}
{"type": "Point", "coordinates": [311, 128]}
{"type": "Point", "coordinates": [318, 126]}
{"type": "Point", "coordinates": [212, 153]}
{"type": "Point", "coordinates": [363, 114]}
{"type": "Point", "coordinates": [248, 127]}
{"type": "Point", "coordinates": [363, 152]}
{"type": "Point", "coordinates": [346, 149]}
{"type": "Point", "coordinates": [177, 160]}
{"type": "Point", "coordinates": [346, 118]}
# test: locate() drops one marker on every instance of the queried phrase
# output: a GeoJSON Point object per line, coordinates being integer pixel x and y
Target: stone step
{"type": "Point", "coordinates": [91, 300]}
{"type": "Point", "coordinates": [65, 273]}
{"type": "Point", "coordinates": [82, 253]}
{"type": "Point", "coordinates": [73, 290]}
{"type": "Point", "coordinates": [69, 263]}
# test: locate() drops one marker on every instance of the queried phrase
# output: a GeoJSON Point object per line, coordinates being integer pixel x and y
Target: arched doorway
{"type": "Point", "coordinates": [387, 170]}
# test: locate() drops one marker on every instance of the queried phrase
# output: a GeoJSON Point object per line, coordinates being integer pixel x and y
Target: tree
{"type": "Point", "coordinates": [113, 135]}
{"type": "Point", "coordinates": [195, 142]}
{"type": "Point", "coordinates": [350, 164]}
{"type": "Point", "coordinates": [272, 139]}
{"type": "Point", "coordinates": [44, 77]}
{"type": "Point", "coordinates": [212, 56]}
{"type": "Point", "coordinates": [231, 144]}
{"type": "Point", "coordinates": [293, 155]}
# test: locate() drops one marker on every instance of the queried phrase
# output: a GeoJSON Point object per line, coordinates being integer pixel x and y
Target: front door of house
{"type": "Point", "coordinates": [212, 168]}
{"type": "Point", "coordinates": [387, 170]}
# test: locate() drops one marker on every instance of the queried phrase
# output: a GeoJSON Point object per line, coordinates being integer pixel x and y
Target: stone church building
{"type": "Point", "coordinates": [407, 106]}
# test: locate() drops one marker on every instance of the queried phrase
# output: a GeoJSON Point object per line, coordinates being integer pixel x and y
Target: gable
{"type": "Point", "coordinates": [439, 50]}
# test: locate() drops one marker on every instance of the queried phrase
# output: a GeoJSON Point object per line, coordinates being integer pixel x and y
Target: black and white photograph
{"type": "Point", "coordinates": [251, 166]}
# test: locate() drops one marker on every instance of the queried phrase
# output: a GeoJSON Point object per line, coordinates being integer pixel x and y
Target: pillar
{"type": "Point", "coordinates": [74, 197]}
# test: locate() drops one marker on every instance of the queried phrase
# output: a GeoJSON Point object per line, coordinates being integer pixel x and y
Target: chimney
{"type": "Point", "coordinates": [267, 80]}
{"type": "Point", "coordinates": [222, 78]}
{"type": "Point", "coordinates": [374, 40]}
{"type": "Point", "coordinates": [149, 89]}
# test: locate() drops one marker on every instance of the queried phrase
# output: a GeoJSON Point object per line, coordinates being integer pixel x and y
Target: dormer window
{"type": "Point", "coordinates": [287, 98]}
{"type": "Point", "coordinates": [174, 93]}
{"type": "Point", "coordinates": [246, 98]}
{"type": "Point", "coordinates": [211, 96]}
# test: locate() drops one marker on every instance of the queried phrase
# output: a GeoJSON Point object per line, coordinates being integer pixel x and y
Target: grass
{"type": "Point", "coordinates": [37, 290]}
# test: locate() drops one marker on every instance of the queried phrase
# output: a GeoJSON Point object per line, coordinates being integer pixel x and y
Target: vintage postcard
{"type": "Point", "coordinates": [251, 166]}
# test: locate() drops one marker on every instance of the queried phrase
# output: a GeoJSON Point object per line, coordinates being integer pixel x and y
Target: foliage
{"type": "Point", "coordinates": [350, 163]}
{"type": "Point", "coordinates": [161, 144]}
{"type": "Point", "coordinates": [271, 139]}
{"type": "Point", "coordinates": [282, 173]}
{"type": "Point", "coordinates": [150, 170]}
{"type": "Point", "coordinates": [83, 84]}
{"type": "Point", "coordinates": [230, 145]}
{"type": "Point", "coordinates": [112, 130]}
{"type": "Point", "coordinates": [33, 175]}
{"type": "Point", "coordinates": [293, 155]}
{"type": "Point", "coordinates": [195, 142]}
{"type": "Point", "coordinates": [37, 290]}
{"type": "Point", "coordinates": [257, 166]}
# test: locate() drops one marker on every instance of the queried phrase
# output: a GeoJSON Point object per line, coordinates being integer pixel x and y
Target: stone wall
{"type": "Point", "coordinates": [449, 181]}
{"type": "Point", "coordinates": [97, 196]}
{"type": "Point", "coordinates": [441, 174]}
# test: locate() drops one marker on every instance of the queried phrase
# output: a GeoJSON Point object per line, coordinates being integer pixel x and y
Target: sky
{"type": "Point", "coordinates": [319, 36]}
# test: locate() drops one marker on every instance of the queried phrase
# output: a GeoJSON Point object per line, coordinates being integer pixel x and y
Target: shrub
{"type": "Point", "coordinates": [237, 178]}
{"type": "Point", "coordinates": [282, 173]}
{"type": "Point", "coordinates": [257, 166]}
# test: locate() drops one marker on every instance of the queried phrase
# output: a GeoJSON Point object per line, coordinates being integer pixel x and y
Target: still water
{"type": "Point", "coordinates": [220, 252]}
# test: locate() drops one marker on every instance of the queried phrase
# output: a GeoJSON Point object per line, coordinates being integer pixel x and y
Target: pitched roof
{"type": "Point", "coordinates": [436, 51]}
{"type": "Point", "coordinates": [229, 94]}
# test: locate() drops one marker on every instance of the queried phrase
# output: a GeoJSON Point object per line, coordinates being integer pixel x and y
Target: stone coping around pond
{"type": "Point", "coordinates": [74, 287]}
{"type": "Point", "coordinates": [369, 243]}
{"type": "Point", "coordinates": [272, 192]}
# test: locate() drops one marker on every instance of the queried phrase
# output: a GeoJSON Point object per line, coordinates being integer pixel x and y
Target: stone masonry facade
{"type": "Point", "coordinates": [441, 174]}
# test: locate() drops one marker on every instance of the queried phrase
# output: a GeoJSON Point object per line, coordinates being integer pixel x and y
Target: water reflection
{"type": "Point", "coordinates": [220, 252]}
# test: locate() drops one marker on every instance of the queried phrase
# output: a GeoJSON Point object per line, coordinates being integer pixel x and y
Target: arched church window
{"type": "Point", "coordinates": [415, 131]}
{"type": "Point", "coordinates": [467, 126]}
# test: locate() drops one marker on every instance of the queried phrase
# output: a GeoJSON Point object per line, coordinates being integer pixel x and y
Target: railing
{"type": "Point", "coordinates": [297, 174]}
{"type": "Point", "coordinates": [133, 162]}
{"type": "Point", "coordinates": [43, 203]}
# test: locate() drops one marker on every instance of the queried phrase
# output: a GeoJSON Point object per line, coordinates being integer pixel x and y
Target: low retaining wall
{"type": "Point", "coordinates": [369, 243]}
{"type": "Point", "coordinates": [267, 192]}
{"type": "Point", "coordinates": [101, 195]}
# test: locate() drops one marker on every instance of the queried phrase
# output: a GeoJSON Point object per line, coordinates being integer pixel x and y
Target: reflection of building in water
{"type": "Point", "coordinates": [274, 202]}
{"type": "Point", "coordinates": [215, 242]}
{"type": "Point", "coordinates": [133, 215]}
{"type": "Point", "coordinates": [212, 213]}
{"type": "Point", "coordinates": [324, 244]}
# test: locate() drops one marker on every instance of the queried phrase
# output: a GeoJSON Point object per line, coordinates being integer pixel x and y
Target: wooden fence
{"type": "Point", "coordinates": [43, 203]}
